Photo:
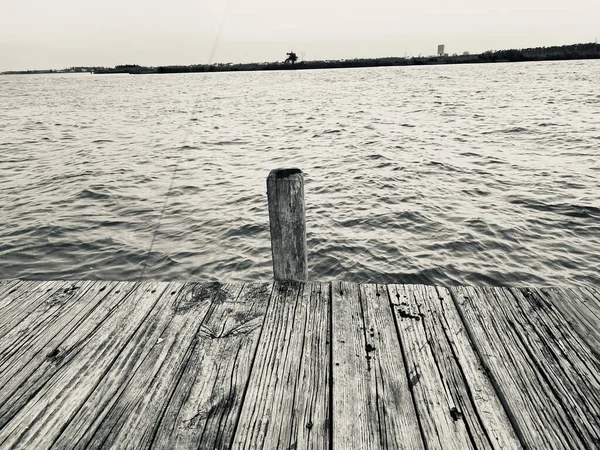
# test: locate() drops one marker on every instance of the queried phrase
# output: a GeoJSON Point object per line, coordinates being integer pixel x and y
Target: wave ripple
{"type": "Point", "coordinates": [445, 175]}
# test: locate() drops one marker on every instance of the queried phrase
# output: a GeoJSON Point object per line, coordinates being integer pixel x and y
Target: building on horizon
{"type": "Point", "coordinates": [441, 49]}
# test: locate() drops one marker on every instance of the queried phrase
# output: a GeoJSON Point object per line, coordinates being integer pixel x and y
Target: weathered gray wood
{"type": "Point", "coordinates": [10, 295]}
{"type": "Point", "coordinates": [575, 308]}
{"type": "Point", "coordinates": [19, 384]}
{"type": "Point", "coordinates": [7, 284]}
{"type": "Point", "coordinates": [519, 371]}
{"type": "Point", "coordinates": [285, 193]}
{"type": "Point", "coordinates": [9, 290]}
{"type": "Point", "coordinates": [595, 296]}
{"type": "Point", "coordinates": [576, 315]}
{"type": "Point", "coordinates": [38, 423]}
{"type": "Point", "coordinates": [172, 365]}
{"type": "Point", "coordinates": [22, 348]}
{"type": "Point", "coordinates": [15, 339]}
{"type": "Point", "coordinates": [25, 291]}
{"type": "Point", "coordinates": [564, 360]}
{"type": "Point", "coordinates": [586, 299]}
{"type": "Point", "coordinates": [590, 298]}
{"type": "Point", "coordinates": [126, 408]}
{"type": "Point", "coordinates": [372, 402]}
{"type": "Point", "coordinates": [205, 407]}
{"type": "Point", "coordinates": [287, 405]}
{"type": "Point", "coordinates": [24, 299]}
{"type": "Point", "coordinates": [440, 416]}
{"type": "Point", "coordinates": [457, 383]}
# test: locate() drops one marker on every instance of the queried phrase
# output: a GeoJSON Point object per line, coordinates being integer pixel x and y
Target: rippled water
{"type": "Point", "coordinates": [479, 174]}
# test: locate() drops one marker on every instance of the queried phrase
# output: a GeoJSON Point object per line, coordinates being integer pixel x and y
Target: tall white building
{"type": "Point", "coordinates": [441, 49]}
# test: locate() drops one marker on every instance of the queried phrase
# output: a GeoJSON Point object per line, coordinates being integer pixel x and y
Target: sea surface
{"type": "Point", "coordinates": [465, 174]}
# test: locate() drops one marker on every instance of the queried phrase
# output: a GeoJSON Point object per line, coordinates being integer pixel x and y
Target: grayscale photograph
{"type": "Point", "coordinates": [316, 225]}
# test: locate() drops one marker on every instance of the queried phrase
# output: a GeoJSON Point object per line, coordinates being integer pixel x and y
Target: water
{"type": "Point", "coordinates": [480, 174]}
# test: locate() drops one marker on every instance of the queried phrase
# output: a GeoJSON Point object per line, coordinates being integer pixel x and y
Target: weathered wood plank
{"type": "Point", "coordinates": [18, 387]}
{"type": "Point", "coordinates": [285, 195]}
{"type": "Point", "coordinates": [582, 340]}
{"type": "Point", "coordinates": [563, 359]}
{"type": "Point", "coordinates": [594, 296]}
{"type": "Point", "coordinates": [125, 409]}
{"type": "Point", "coordinates": [372, 402]}
{"type": "Point", "coordinates": [590, 298]}
{"type": "Point", "coordinates": [204, 409]}
{"type": "Point", "coordinates": [7, 285]}
{"type": "Point", "coordinates": [26, 291]}
{"type": "Point", "coordinates": [128, 365]}
{"type": "Point", "coordinates": [22, 348]}
{"type": "Point", "coordinates": [354, 415]}
{"type": "Point", "coordinates": [25, 298]}
{"type": "Point", "coordinates": [440, 416]}
{"type": "Point", "coordinates": [287, 405]}
{"type": "Point", "coordinates": [464, 391]}
{"type": "Point", "coordinates": [86, 362]}
{"type": "Point", "coordinates": [13, 339]}
{"type": "Point", "coordinates": [578, 316]}
{"type": "Point", "coordinates": [14, 290]}
{"type": "Point", "coordinates": [585, 301]}
{"type": "Point", "coordinates": [529, 399]}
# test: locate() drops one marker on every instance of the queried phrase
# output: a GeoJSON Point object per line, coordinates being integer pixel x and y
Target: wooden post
{"type": "Point", "coordinates": [285, 192]}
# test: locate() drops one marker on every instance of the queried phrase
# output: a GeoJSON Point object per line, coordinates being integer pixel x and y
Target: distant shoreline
{"type": "Point", "coordinates": [555, 53]}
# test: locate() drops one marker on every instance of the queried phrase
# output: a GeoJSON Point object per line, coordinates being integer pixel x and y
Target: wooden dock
{"type": "Point", "coordinates": [96, 364]}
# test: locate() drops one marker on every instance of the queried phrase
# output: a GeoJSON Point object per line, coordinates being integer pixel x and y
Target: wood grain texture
{"type": "Point", "coordinates": [24, 348]}
{"type": "Point", "coordinates": [132, 416]}
{"type": "Point", "coordinates": [18, 289]}
{"type": "Point", "coordinates": [96, 364]}
{"type": "Point", "coordinates": [15, 339]}
{"type": "Point", "coordinates": [594, 296]}
{"type": "Point", "coordinates": [440, 415]}
{"type": "Point", "coordinates": [204, 409]}
{"type": "Point", "coordinates": [372, 402]}
{"type": "Point", "coordinates": [523, 373]}
{"type": "Point", "coordinates": [458, 386]}
{"type": "Point", "coordinates": [7, 285]}
{"type": "Point", "coordinates": [33, 370]}
{"type": "Point", "coordinates": [24, 299]}
{"type": "Point", "coordinates": [285, 194]}
{"type": "Point", "coordinates": [566, 362]}
{"type": "Point", "coordinates": [579, 310]}
{"type": "Point", "coordinates": [287, 402]}
{"type": "Point", "coordinates": [144, 371]}
{"type": "Point", "coordinates": [590, 297]}
{"type": "Point", "coordinates": [41, 421]}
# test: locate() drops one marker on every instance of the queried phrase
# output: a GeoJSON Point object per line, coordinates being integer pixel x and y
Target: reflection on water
{"type": "Point", "coordinates": [480, 174]}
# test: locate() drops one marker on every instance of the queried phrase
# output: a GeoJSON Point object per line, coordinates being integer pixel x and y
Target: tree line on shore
{"type": "Point", "coordinates": [556, 53]}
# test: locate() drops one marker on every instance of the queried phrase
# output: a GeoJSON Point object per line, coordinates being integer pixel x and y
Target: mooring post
{"type": "Point", "coordinates": [285, 192]}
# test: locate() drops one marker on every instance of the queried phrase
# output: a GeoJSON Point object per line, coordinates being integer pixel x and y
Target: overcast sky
{"type": "Point", "coordinates": [54, 34]}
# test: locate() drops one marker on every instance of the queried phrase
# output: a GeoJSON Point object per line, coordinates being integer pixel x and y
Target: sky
{"type": "Point", "coordinates": [42, 34]}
